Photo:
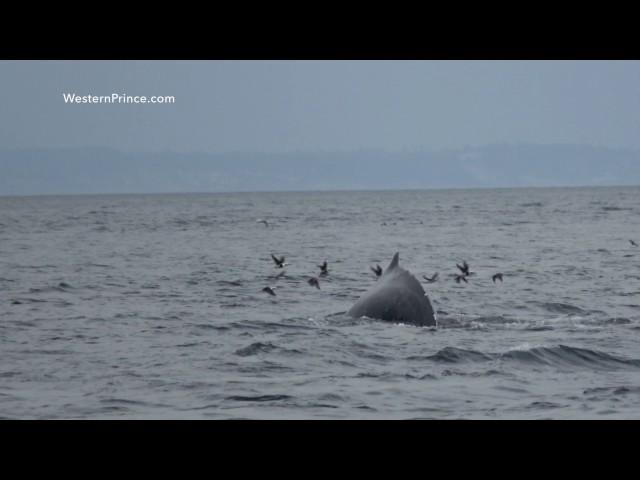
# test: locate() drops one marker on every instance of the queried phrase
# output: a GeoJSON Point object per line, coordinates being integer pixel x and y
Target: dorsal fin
{"type": "Point", "coordinates": [394, 262]}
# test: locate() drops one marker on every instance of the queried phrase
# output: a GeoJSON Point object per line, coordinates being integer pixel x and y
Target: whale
{"type": "Point", "coordinates": [397, 296]}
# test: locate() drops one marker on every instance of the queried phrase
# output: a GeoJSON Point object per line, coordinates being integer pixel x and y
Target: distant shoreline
{"type": "Point", "coordinates": [89, 171]}
{"type": "Point", "coordinates": [388, 190]}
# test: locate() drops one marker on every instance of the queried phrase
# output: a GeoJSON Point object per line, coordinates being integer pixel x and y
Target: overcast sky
{"type": "Point", "coordinates": [275, 106]}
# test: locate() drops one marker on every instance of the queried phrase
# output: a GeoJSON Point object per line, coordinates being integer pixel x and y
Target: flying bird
{"type": "Point", "coordinates": [269, 290]}
{"type": "Point", "coordinates": [260, 220]}
{"type": "Point", "coordinates": [377, 270]}
{"type": "Point", "coordinates": [279, 261]}
{"type": "Point", "coordinates": [497, 276]}
{"type": "Point", "coordinates": [432, 279]}
{"type": "Point", "coordinates": [464, 268]}
{"type": "Point", "coordinates": [462, 278]}
{"type": "Point", "coordinates": [633, 243]}
{"type": "Point", "coordinates": [323, 268]}
{"type": "Point", "coordinates": [314, 282]}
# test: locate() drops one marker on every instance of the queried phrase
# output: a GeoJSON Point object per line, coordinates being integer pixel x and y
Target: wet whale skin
{"type": "Point", "coordinates": [398, 297]}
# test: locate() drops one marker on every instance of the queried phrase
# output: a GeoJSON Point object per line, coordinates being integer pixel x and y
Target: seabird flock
{"type": "Point", "coordinates": [280, 263]}
{"type": "Point", "coordinates": [324, 270]}
{"type": "Point", "coordinates": [377, 270]}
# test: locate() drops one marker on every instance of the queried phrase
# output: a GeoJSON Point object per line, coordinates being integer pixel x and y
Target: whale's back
{"type": "Point", "coordinates": [396, 297]}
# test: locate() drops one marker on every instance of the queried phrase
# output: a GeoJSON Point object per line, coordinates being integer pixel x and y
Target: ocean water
{"type": "Point", "coordinates": [150, 306]}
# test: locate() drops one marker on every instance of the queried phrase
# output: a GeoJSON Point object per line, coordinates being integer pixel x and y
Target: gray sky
{"type": "Point", "coordinates": [275, 106]}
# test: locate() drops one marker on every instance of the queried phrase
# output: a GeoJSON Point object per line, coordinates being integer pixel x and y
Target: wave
{"type": "Point", "coordinates": [564, 308]}
{"type": "Point", "coordinates": [615, 209]}
{"type": "Point", "coordinates": [259, 347]}
{"type": "Point", "coordinates": [259, 398]}
{"type": "Point", "coordinates": [230, 283]}
{"type": "Point", "coordinates": [60, 287]}
{"type": "Point", "coordinates": [557, 356]}
{"type": "Point", "coordinates": [254, 349]}
{"type": "Point", "coordinates": [566, 356]}
{"type": "Point", "coordinates": [614, 390]}
{"type": "Point", "coordinates": [459, 355]}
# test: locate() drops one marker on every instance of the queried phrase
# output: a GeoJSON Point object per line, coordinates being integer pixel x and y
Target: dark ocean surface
{"type": "Point", "coordinates": [150, 306]}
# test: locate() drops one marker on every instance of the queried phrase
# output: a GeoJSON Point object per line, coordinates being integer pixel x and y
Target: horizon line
{"type": "Point", "coordinates": [373, 190]}
{"type": "Point", "coordinates": [409, 149]}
